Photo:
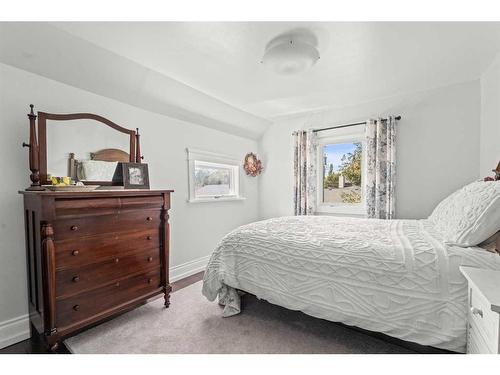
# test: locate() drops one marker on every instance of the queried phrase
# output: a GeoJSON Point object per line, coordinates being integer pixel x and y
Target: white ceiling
{"type": "Point", "coordinates": [359, 61]}
{"type": "Point", "coordinates": [212, 70]}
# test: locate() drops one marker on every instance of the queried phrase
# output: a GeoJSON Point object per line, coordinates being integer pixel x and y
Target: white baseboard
{"type": "Point", "coordinates": [189, 268]}
{"type": "Point", "coordinates": [14, 330]}
{"type": "Point", "coordinates": [18, 329]}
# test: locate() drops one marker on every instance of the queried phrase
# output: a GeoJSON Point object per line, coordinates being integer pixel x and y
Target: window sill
{"type": "Point", "coordinates": [359, 210]}
{"type": "Point", "coordinates": [209, 200]}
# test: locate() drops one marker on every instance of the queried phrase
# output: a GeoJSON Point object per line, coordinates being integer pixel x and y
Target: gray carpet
{"type": "Point", "coordinates": [193, 325]}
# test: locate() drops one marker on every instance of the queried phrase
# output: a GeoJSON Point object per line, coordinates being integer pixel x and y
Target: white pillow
{"type": "Point", "coordinates": [96, 170]}
{"type": "Point", "coordinates": [470, 215]}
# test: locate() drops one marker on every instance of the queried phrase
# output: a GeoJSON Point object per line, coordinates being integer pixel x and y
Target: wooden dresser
{"type": "Point", "coordinates": [91, 255]}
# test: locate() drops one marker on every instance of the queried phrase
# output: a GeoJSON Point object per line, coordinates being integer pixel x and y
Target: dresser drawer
{"type": "Point", "coordinates": [476, 343]}
{"type": "Point", "coordinates": [75, 253]}
{"type": "Point", "coordinates": [484, 322]}
{"type": "Point", "coordinates": [88, 305]}
{"type": "Point", "coordinates": [77, 280]}
{"type": "Point", "coordinates": [77, 228]}
{"type": "Point", "coordinates": [103, 206]}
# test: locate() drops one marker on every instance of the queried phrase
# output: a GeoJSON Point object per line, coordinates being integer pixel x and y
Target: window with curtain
{"type": "Point", "coordinates": [347, 170]}
{"type": "Point", "coordinates": [341, 173]}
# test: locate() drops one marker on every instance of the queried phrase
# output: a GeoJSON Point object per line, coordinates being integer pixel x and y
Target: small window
{"type": "Point", "coordinates": [212, 177]}
{"type": "Point", "coordinates": [341, 173]}
{"type": "Point", "coordinates": [213, 180]}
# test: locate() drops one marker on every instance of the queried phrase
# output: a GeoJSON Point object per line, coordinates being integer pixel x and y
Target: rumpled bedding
{"type": "Point", "coordinates": [390, 276]}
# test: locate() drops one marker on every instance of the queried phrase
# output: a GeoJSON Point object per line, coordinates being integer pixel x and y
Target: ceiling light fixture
{"type": "Point", "coordinates": [291, 53]}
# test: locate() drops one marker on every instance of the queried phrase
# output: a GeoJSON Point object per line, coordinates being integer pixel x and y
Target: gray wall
{"type": "Point", "coordinates": [490, 118]}
{"type": "Point", "coordinates": [195, 228]}
{"type": "Point", "coordinates": [437, 147]}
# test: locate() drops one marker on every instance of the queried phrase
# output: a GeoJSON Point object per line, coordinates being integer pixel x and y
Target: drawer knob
{"type": "Point", "coordinates": [76, 279]}
{"type": "Point", "coordinates": [76, 307]}
{"type": "Point", "coordinates": [149, 238]}
{"type": "Point", "coordinates": [150, 281]}
{"type": "Point", "coordinates": [117, 260]}
{"type": "Point", "coordinates": [476, 311]}
{"type": "Point", "coordinates": [117, 284]}
{"type": "Point", "coordinates": [75, 253]}
{"type": "Point", "coordinates": [74, 227]}
{"type": "Point", "coordinates": [150, 259]}
{"type": "Point", "coordinates": [149, 218]}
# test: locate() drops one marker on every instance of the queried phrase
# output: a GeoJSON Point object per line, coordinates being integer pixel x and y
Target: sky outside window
{"type": "Point", "coordinates": [334, 153]}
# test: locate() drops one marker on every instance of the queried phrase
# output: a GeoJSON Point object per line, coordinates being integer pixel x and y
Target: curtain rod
{"type": "Point", "coordinates": [348, 125]}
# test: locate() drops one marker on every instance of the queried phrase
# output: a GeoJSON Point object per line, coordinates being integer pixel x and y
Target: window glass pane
{"type": "Point", "coordinates": [211, 180]}
{"type": "Point", "coordinates": [342, 173]}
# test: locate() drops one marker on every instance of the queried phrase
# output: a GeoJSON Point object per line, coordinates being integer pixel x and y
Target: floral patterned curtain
{"type": "Point", "coordinates": [380, 168]}
{"type": "Point", "coordinates": [305, 171]}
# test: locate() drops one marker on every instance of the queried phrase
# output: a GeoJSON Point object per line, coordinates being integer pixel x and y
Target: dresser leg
{"type": "Point", "coordinates": [52, 343]}
{"type": "Point", "coordinates": [54, 346]}
{"type": "Point", "coordinates": [167, 291]}
{"type": "Point", "coordinates": [52, 339]}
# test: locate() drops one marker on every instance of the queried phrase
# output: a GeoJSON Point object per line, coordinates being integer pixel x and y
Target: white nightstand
{"type": "Point", "coordinates": [483, 318]}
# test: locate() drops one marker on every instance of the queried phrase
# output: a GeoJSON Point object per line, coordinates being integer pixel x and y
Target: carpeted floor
{"type": "Point", "coordinates": [193, 325]}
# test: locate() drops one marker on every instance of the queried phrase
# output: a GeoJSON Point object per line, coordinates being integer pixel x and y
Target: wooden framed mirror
{"type": "Point", "coordinates": [72, 129]}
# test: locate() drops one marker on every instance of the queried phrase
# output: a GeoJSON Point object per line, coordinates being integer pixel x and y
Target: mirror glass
{"type": "Point", "coordinates": [81, 137]}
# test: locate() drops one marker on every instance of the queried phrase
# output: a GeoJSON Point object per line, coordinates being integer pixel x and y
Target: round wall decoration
{"type": "Point", "coordinates": [252, 165]}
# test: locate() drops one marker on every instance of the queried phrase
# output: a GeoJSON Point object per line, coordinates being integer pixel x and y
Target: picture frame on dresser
{"type": "Point", "coordinates": [91, 255]}
{"type": "Point", "coordinates": [135, 175]}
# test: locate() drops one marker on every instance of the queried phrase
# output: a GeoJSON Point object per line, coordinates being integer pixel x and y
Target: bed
{"type": "Point", "coordinates": [398, 277]}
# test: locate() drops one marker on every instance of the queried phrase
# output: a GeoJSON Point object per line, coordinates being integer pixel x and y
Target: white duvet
{"type": "Point", "coordinates": [390, 276]}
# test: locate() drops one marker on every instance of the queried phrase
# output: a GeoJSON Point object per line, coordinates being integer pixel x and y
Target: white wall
{"type": "Point", "coordinates": [490, 118]}
{"type": "Point", "coordinates": [437, 147]}
{"type": "Point", "coordinates": [195, 228]}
